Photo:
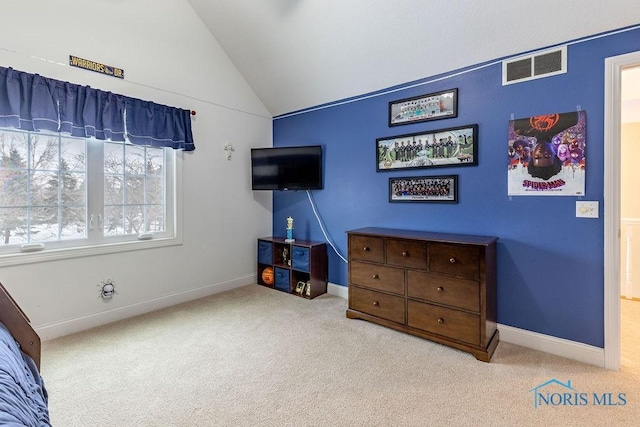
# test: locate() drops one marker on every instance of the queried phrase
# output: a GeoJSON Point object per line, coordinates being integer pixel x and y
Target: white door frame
{"type": "Point", "coordinates": [612, 130]}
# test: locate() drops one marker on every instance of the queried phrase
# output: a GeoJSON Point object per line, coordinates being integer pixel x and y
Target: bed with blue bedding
{"type": "Point", "coordinates": [23, 397]}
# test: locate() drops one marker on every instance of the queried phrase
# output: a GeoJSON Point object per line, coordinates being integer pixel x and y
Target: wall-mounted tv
{"type": "Point", "coordinates": [287, 168]}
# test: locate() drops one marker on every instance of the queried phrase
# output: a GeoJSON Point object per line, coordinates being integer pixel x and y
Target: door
{"type": "Point", "coordinates": [630, 219]}
{"type": "Point", "coordinates": [614, 69]}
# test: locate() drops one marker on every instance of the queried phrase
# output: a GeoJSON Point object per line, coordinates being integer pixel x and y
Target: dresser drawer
{"type": "Point", "coordinates": [459, 293]}
{"type": "Point", "coordinates": [377, 304]}
{"type": "Point", "coordinates": [376, 276]}
{"type": "Point", "coordinates": [447, 322]}
{"type": "Point", "coordinates": [366, 248]}
{"type": "Point", "coordinates": [456, 260]}
{"type": "Point", "coordinates": [407, 253]}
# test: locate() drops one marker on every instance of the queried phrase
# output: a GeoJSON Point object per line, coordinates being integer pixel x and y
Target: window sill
{"type": "Point", "coordinates": [79, 252]}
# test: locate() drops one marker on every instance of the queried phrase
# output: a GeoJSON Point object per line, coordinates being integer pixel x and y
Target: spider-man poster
{"type": "Point", "coordinates": [546, 155]}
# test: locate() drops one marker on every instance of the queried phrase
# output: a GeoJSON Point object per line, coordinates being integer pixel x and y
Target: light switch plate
{"type": "Point", "coordinates": [587, 209]}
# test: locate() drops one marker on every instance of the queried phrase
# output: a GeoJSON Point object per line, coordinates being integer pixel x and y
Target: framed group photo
{"type": "Point", "coordinates": [456, 146]}
{"type": "Point", "coordinates": [441, 189]}
{"type": "Point", "coordinates": [433, 106]}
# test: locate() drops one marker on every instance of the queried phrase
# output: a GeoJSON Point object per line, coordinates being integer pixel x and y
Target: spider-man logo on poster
{"type": "Point", "coordinates": [546, 155]}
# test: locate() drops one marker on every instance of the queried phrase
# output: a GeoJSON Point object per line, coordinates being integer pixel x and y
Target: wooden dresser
{"type": "Point", "coordinates": [437, 286]}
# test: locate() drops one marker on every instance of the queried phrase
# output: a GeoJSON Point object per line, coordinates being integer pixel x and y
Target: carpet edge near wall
{"type": "Point", "coordinates": [533, 340]}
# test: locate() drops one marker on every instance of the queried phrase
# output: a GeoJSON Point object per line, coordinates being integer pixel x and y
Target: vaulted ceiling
{"type": "Point", "coordinates": [298, 54]}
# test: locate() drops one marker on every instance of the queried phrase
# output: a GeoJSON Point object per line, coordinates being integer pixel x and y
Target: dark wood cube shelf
{"type": "Point", "coordinates": [298, 267]}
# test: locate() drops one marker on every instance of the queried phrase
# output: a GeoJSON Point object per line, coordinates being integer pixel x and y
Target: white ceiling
{"type": "Point", "coordinates": [302, 53]}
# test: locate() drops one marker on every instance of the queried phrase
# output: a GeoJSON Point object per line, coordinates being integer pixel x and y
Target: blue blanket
{"type": "Point", "coordinates": [23, 397]}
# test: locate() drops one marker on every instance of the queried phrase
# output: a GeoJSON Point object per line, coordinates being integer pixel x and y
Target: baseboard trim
{"type": "Point", "coordinates": [533, 340]}
{"type": "Point", "coordinates": [337, 290]}
{"type": "Point", "coordinates": [548, 344]}
{"type": "Point", "coordinates": [59, 329]}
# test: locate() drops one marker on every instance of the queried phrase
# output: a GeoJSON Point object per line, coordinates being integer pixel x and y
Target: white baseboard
{"type": "Point", "coordinates": [337, 290]}
{"type": "Point", "coordinates": [558, 346]}
{"type": "Point", "coordinates": [548, 344]}
{"type": "Point", "coordinates": [533, 340]}
{"type": "Point", "coordinates": [59, 329]}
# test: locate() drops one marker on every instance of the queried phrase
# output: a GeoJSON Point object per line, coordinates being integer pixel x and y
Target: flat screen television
{"type": "Point", "coordinates": [287, 168]}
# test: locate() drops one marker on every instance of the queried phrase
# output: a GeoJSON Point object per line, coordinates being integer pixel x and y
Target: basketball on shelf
{"type": "Point", "coordinates": [267, 276]}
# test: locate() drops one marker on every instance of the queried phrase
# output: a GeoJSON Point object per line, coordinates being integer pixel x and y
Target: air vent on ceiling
{"type": "Point", "coordinates": [535, 66]}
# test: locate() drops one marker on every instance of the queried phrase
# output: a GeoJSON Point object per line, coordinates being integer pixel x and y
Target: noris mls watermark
{"type": "Point", "coordinates": [557, 393]}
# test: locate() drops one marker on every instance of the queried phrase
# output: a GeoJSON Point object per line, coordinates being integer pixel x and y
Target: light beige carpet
{"type": "Point", "coordinates": [258, 357]}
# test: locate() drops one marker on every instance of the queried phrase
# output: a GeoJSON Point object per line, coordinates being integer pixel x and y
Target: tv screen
{"type": "Point", "coordinates": [286, 168]}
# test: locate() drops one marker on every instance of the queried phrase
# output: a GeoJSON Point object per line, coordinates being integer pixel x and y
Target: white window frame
{"type": "Point", "coordinates": [112, 244]}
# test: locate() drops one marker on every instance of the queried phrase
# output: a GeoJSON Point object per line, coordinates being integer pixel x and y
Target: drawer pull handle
{"type": "Point", "coordinates": [405, 254]}
{"type": "Point", "coordinates": [452, 260]}
{"type": "Point", "coordinates": [440, 289]}
{"type": "Point", "coordinates": [440, 320]}
{"type": "Point", "coordinates": [375, 276]}
{"type": "Point", "coordinates": [376, 303]}
{"type": "Point", "coordinates": [366, 249]}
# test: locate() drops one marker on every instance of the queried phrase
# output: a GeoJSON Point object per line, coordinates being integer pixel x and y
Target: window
{"type": "Point", "coordinates": [61, 192]}
{"type": "Point", "coordinates": [134, 189]}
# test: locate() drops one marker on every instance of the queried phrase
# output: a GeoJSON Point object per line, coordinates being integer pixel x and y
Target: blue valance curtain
{"type": "Point", "coordinates": [32, 102]}
{"type": "Point", "coordinates": [88, 112]}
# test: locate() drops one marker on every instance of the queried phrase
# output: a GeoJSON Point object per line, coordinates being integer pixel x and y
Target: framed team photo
{"type": "Point", "coordinates": [441, 189]}
{"type": "Point", "coordinates": [433, 106]}
{"type": "Point", "coordinates": [437, 148]}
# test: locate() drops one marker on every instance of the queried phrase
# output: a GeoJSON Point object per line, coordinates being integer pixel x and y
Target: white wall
{"type": "Point", "coordinates": [168, 57]}
{"type": "Point", "coordinates": [630, 211]}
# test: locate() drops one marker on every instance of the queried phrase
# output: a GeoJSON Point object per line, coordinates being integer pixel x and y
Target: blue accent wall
{"type": "Point", "coordinates": [550, 263]}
